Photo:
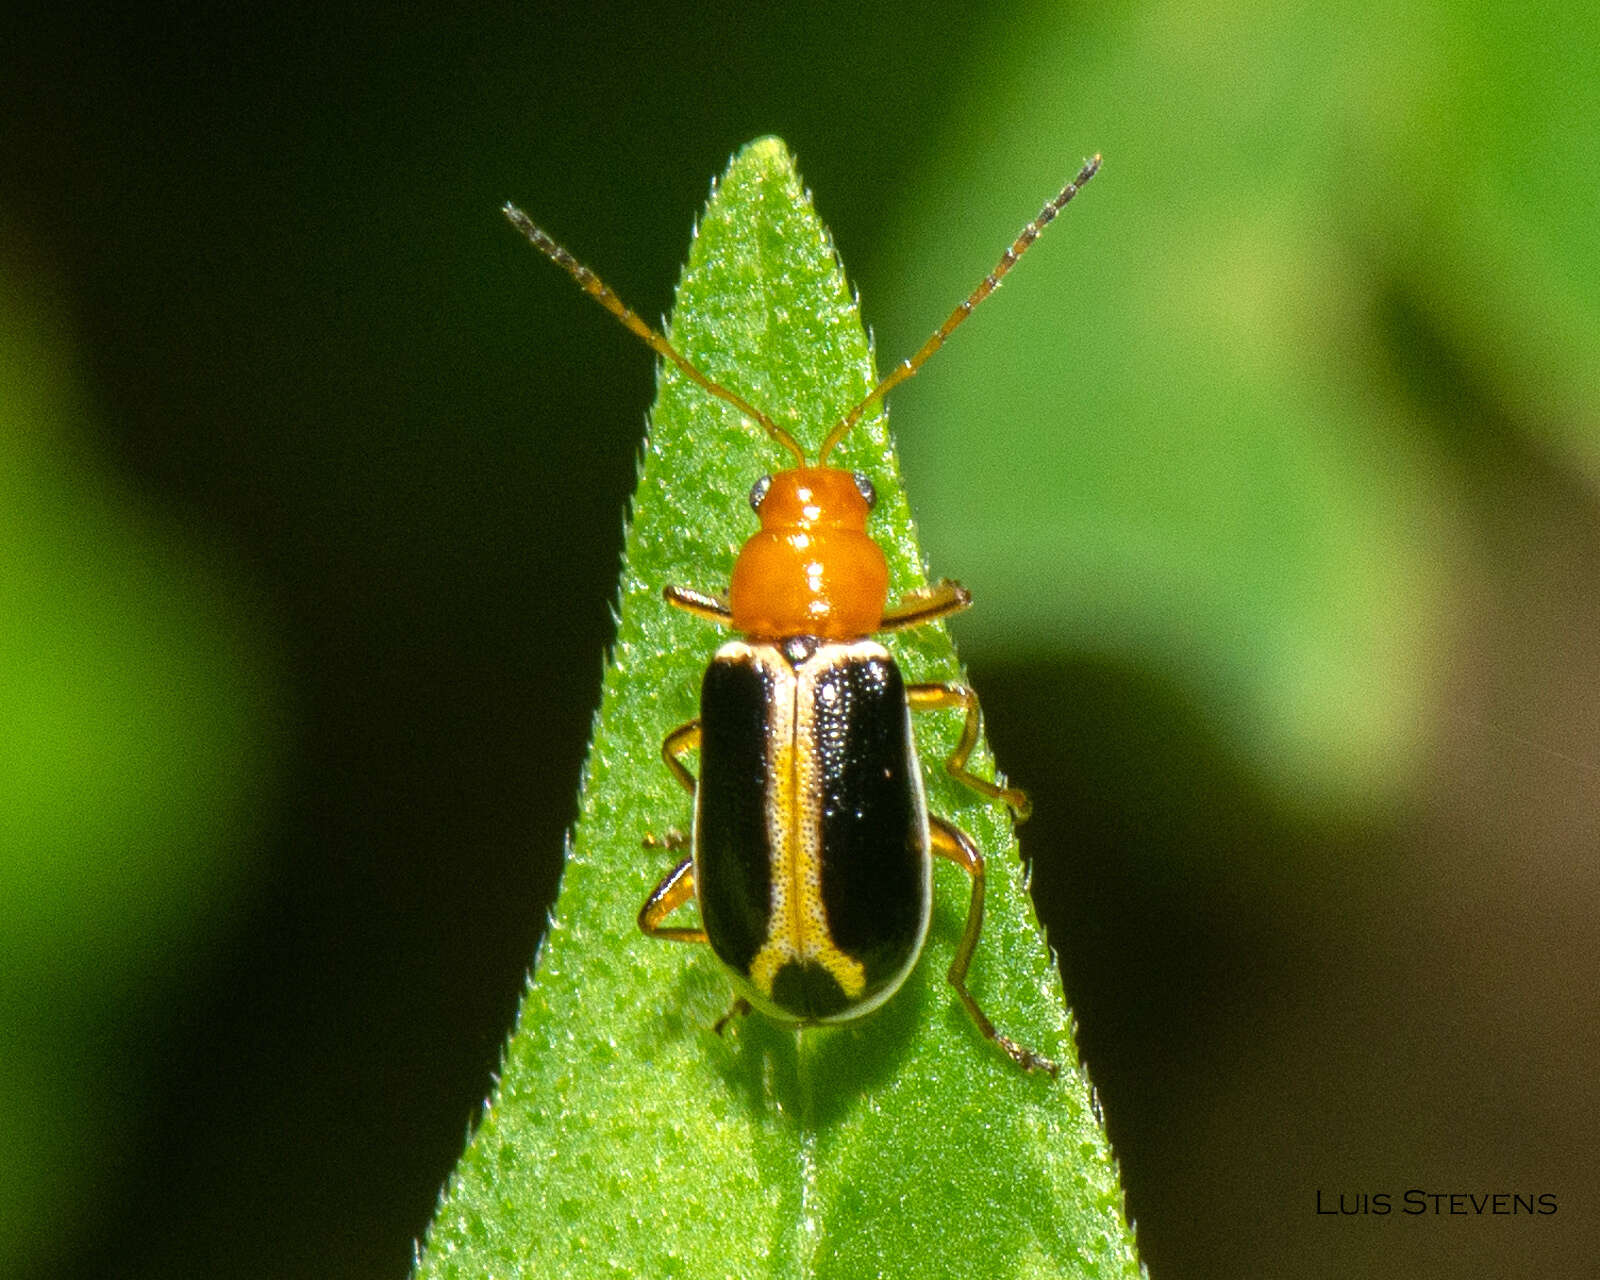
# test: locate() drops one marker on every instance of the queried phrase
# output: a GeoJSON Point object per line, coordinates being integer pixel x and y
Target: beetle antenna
{"type": "Point", "coordinates": [988, 285]}
{"type": "Point", "coordinates": [598, 290]}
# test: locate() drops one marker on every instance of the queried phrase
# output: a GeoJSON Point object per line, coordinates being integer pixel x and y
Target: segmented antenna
{"type": "Point", "coordinates": [990, 282]}
{"type": "Point", "coordinates": [597, 289]}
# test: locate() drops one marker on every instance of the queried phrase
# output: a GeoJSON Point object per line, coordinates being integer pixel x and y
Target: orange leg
{"type": "Point", "coordinates": [677, 744]}
{"type": "Point", "coordinates": [925, 604]}
{"type": "Point", "coordinates": [678, 887]}
{"type": "Point", "coordinates": [939, 697]}
{"type": "Point", "coordinates": [953, 844]}
{"type": "Point", "coordinates": [666, 898]}
{"type": "Point", "coordinates": [708, 607]}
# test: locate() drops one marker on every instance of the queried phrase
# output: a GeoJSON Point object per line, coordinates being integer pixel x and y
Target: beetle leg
{"type": "Point", "coordinates": [678, 887]}
{"type": "Point", "coordinates": [710, 608]}
{"type": "Point", "coordinates": [677, 744]}
{"type": "Point", "coordinates": [938, 600]}
{"type": "Point", "coordinates": [737, 1009]}
{"type": "Point", "coordinates": [953, 844]}
{"type": "Point", "coordinates": [937, 697]}
{"type": "Point", "coordinates": [664, 899]}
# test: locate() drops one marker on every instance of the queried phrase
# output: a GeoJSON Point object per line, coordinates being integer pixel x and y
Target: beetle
{"type": "Point", "coordinates": [812, 844]}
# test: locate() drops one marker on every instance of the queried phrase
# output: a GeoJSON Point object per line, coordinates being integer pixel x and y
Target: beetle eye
{"type": "Point", "coordinates": [865, 489]}
{"type": "Point", "coordinates": [758, 492]}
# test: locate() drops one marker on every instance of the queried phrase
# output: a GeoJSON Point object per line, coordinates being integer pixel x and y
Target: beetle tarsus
{"type": "Point", "coordinates": [1026, 1058]}
{"type": "Point", "coordinates": [1018, 802]}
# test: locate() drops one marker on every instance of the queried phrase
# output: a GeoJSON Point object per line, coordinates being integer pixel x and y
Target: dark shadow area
{"type": "Point", "coordinates": [1142, 847]}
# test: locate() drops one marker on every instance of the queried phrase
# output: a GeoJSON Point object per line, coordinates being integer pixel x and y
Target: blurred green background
{"type": "Point", "coordinates": [1273, 470]}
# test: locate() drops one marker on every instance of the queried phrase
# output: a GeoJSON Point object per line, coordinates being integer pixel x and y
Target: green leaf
{"type": "Point", "coordinates": [625, 1138]}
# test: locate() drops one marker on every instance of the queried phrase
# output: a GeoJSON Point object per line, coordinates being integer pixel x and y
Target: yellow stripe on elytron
{"type": "Point", "coordinates": [797, 923]}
